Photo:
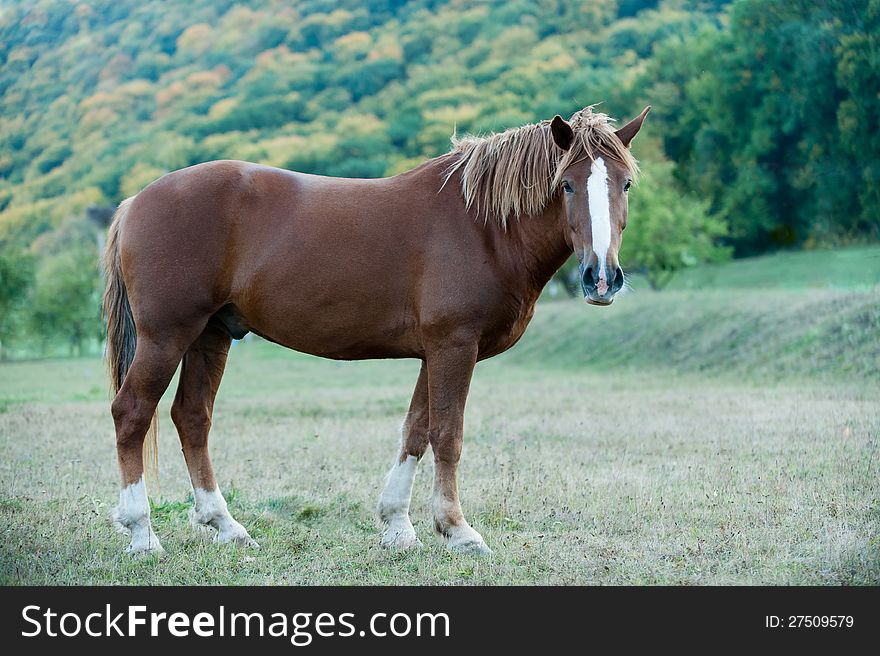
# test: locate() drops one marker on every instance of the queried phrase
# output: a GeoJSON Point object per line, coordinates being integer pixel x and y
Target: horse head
{"type": "Point", "coordinates": [594, 182]}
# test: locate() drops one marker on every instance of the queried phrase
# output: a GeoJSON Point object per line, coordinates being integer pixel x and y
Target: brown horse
{"type": "Point", "coordinates": [443, 263]}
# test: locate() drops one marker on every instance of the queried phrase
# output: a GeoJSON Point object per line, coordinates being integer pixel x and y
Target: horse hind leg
{"type": "Point", "coordinates": [394, 502]}
{"type": "Point", "coordinates": [133, 409]}
{"type": "Point", "coordinates": [203, 365]}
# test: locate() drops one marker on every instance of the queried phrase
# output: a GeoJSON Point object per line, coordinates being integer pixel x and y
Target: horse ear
{"type": "Point", "coordinates": [631, 129]}
{"type": "Point", "coordinates": [563, 135]}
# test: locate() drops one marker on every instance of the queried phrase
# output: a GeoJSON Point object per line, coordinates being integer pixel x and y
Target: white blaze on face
{"type": "Point", "coordinates": [600, 214]}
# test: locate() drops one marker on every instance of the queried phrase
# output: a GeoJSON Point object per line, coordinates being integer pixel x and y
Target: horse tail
{"type": "Point", "coordinates": [122, 336]}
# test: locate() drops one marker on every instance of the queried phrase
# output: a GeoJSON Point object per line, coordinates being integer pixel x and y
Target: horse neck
{"type": "Point", "coordinates": [539, 244]}
{"type": "Point", "coordinates": [534, 247]}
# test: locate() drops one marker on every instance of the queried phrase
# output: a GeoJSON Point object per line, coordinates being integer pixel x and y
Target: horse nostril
{"type": "Point", "coordinates": [588, 278]}
{"type": "Point", "coordinates": [618, 280]}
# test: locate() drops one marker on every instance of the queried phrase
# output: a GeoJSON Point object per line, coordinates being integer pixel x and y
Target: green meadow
{"type": "Point", "coordinates": [722, 431]}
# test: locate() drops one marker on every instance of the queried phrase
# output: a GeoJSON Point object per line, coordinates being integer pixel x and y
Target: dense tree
{"type": "Point", "coordinates": [858, 115]}
{"type": "Point", "coordinates": [766, 109]}
{"type": "Point", "coordinates": [16, 275]}
{"type": "Point", "coordinates": [671, 230]}
{"type": "Point", "coordinates": [64, 299]}
{"type": "Point", "coordinates": [774, 120]}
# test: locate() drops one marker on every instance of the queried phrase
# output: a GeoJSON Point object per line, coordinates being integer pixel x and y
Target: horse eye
{"type": "Point", "coordinates": [567, 188]}
{"type": "Point", "coordinates": [627, 186]}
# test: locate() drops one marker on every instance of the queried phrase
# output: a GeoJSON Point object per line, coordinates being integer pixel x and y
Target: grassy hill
{"type": "Point", "coordinates": [754, 332]}
{"type": "Point", "coordinates": [716, 435]}
{"type": "Point", "coordinates": [813, 313]}
{"type": "Point", "coordinates": [842, 268]}
{"type": "Point", "coordinates": [98, 99]}
{"type": "Point", "coordinates": [631, 445]}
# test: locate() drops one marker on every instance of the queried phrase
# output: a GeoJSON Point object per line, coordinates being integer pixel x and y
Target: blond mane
{"type": "Point", "coordinates": [516, 172]}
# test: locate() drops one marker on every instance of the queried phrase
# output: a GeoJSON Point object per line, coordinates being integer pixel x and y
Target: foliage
{"type": "Point", "coordinates": [16, 272]}
{"type": "Point", "coordinates": [774, 120]}
{"type": "Point", "coordinates": [670, 230]}
{"type": "Point", "coordinates": [63, 300]}
{"type": "Point", "coordinates": [767, 111]}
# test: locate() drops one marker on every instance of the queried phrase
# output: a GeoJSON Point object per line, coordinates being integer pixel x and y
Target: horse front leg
{"type": "Point", "coordinates": [450, 368]}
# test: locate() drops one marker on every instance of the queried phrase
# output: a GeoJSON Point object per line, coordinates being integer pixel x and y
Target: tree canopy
{"type": "Point", "coordinates": [764, 132]}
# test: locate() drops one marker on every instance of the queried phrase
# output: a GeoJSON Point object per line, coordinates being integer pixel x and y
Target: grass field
{"type": "Point", "coordinates": [845, 268]}
{"type": "Point", "coordinates": [721, 435]}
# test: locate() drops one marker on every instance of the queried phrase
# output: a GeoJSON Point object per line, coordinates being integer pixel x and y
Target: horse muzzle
{"type": "Point", "coordinates": [596, 289]}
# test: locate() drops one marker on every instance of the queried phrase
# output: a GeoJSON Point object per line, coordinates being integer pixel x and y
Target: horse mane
{"type": "Point", "coordinates": [516, 172]}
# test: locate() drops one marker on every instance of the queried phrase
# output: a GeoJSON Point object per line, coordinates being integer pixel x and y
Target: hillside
{"type": "Point", "coordinates": [759, 334]}
{"type": "Point", "coordinates": [98, 99]}
{"type": "Point", "coordinates": [840, 268]}
{"type": "Point", "coordinates": [761, 107]}
{"type": "Point", "coordinates": [792, 315]}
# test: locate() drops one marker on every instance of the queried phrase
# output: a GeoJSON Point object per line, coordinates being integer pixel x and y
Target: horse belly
{"type": "Point", "coordinates": [339, 328]}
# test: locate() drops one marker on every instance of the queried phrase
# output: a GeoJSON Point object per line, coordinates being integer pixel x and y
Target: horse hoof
{"type": "Point", "coordinates": [471, 548]}
{"type": "Point", "coordinates": [242, 539]}
{"type": "Point", "coordinates": [400, 540]}
{"type": "Point", "coordinates": [153, 548]}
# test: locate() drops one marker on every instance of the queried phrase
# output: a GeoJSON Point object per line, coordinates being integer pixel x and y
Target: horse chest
{"type": "Point", "coordinates": [507, 330]}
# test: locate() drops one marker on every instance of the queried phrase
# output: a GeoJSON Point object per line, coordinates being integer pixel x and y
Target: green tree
{"type": "Point", "coordinates": [858, 115]}
{"type": "Point", "coordinates": [668, 230]}
{"type": "Point", "coordinates": [16, 277]}
{"type": "Point", "coordinates": [65, 300]}
{"type": "Point", "coordinates": [773, 120]}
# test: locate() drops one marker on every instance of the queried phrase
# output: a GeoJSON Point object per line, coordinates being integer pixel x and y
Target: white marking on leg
{"type": "Point", "coordinates": [459, 537]}
{"type": "Point", "coordinates": [600, 212]}
{"type": "Point", "coordinates": [133, 516]}
{"type": "Point", "coordinates": [399, 486]}
{"type": "Point", "coordinates": [210, 510]}
{"type": "Point", "coordinates": [394, 505]}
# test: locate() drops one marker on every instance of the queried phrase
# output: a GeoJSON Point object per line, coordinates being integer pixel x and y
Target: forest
{"type": "Point", "coordinates": [764, 135]}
